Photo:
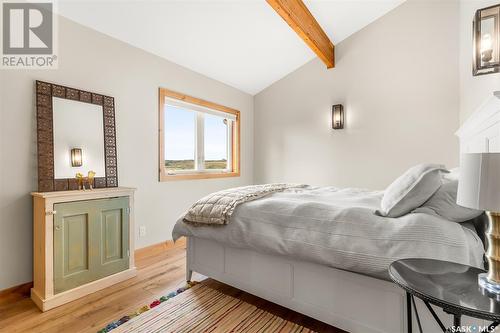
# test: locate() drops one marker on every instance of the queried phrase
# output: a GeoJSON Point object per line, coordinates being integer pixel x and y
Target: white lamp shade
{"type": "Point", "coordinates": [479, 183]}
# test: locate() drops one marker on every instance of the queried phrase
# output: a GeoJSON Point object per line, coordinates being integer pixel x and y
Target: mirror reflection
{"type": "Point", "coordinates": [78, 138]}
{"type": "Point", "coordinates": [487, 40]}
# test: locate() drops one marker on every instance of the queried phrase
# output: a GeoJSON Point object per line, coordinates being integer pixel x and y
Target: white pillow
{"type": "Point", "coordinates": [444, 204]}
{"type": "Point", "coordinates": [411, 190]}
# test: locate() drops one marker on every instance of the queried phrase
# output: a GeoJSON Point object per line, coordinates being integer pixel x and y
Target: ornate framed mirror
{"type": "Point", "coordinates": [75, 134]}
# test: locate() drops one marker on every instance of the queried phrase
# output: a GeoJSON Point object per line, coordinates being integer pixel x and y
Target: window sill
{"type": "Point", "coordinates": [198, 175]}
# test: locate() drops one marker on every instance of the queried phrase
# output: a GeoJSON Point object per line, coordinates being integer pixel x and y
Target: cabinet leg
{"type": "Point", "coordinates": [189, 275]}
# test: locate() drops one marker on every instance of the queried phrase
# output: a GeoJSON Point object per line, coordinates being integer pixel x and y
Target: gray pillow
{"type": "Point", "coordinates": [411, 190]}
{"type": "Point", "coordinates": [444, 204]}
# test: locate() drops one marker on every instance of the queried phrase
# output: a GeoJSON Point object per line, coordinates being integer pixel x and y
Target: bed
{"type": "Point", "coordinates": [339, 275]}
{"type": "Point", "coordinates": [339, 228]}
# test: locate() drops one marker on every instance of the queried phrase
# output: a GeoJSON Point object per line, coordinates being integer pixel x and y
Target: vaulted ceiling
{"type": "Point", "coordinates": [243, 43]}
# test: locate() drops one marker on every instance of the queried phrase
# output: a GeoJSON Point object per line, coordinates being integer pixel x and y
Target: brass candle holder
{"type": "Point", "coordinates": [90, 179]}
{"type": "Point", "coordinates": [82, 181]}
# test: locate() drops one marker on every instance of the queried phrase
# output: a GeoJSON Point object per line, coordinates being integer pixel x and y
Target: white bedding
{"type": "Point", "coordinates": [338, 228]}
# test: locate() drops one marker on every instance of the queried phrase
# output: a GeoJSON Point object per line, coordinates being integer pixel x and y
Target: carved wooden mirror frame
{"type": "Point", "coordinates": [45, 136]}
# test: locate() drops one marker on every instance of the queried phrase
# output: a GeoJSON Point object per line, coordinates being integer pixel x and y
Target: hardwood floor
{"type": "Point", "coordinates": [158, 274]}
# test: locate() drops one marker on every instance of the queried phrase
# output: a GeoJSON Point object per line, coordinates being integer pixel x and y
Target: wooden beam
{"type": "Point", "coordinates": [300, 19]}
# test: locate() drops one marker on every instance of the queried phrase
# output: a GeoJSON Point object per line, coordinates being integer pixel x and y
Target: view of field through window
{"type": "Point", "coordinates": [180, 137]}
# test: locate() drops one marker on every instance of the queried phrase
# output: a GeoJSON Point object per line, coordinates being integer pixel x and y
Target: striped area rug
{"type": "Point", "coordinates": [203, 309]}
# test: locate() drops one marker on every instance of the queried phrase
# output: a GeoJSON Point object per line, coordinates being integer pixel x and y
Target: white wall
{"type": "Point", "coordinates": [398, 81]}
{"type": "Point", "coordinates": [474, 90]}
{"type": "Point", "coordinates": [95, 62]}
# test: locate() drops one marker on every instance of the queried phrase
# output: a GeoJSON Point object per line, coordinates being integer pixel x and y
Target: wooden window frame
{"type": "Point", "coordinates": [235, 156]}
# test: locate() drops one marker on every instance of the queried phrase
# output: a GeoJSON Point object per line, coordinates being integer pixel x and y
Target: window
{"type": "Point", "coordinates": [198, 139]}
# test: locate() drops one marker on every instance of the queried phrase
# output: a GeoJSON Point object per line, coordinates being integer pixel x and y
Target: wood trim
{"type": "Point", "coordinates": [161, 134]}
{"type": "Point", "coordinates": [200, 175]}
{"type": "Point", "coordinates": [148, 251]}
{"type": "Point", "coordinates": [236, 146]}
{"type": "Point", "coordinates": [158, 248]}
{"type": "Point", "coordinates": [84, 195]}
{"type": "Point", "coordinates": [236, 151]}
{"type": "Point", "coordinates": [300, 19]}
{"type": "Point", "coordinates": [39, 248]}
{"type": "Point", "coordinates": [131, 231]}
{"type": "Point", "coordinates": [22, 289]}
{"type": "Point", "coordinates": [46, 237]}
{"type": "Point", "coordinates": [197, 101]}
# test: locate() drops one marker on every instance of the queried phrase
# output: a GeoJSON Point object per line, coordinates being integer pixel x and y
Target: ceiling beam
{"type": "Point", "coordinates": [300, 19]}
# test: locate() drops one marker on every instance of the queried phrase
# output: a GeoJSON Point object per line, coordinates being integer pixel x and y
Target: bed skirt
{"type": "Point", "coordinates": [347, 300]}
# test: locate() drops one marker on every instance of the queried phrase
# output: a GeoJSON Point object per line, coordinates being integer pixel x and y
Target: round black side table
{"type": "Point", "coordinates": [452, 287]}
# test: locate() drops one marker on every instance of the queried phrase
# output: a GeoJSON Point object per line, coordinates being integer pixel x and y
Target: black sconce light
{"type": "Point", "coordinates": [76, 157]}
{"type": "Point", "coordinates": [337, 116]}
{"type": "Point", "coordinates": [486, 57]}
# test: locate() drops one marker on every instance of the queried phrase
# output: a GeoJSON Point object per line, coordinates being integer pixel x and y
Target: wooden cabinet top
{"type": "Point", "coordinates": [86, 194]}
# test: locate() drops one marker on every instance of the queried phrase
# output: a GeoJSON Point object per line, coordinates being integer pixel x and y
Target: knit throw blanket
{"type": "Point", "coordinates": [217, 208]}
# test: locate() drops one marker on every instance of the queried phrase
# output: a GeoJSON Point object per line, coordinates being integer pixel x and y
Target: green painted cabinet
{"type": "Point", "coordinates": [91, 241]}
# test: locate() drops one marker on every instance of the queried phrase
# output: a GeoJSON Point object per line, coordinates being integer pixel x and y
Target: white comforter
{"type": "Point", "coordinates": [338, 228]}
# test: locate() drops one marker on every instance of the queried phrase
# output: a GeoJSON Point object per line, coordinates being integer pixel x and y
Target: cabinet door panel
{"type": "Point", "coordinates": [113, 222]}
{"type": "Point", "coordinates": [91, 241]}
{"type": "Point", "coordinates": [74, 238]}
{"type": "Point", "coordinates": [112, 231]}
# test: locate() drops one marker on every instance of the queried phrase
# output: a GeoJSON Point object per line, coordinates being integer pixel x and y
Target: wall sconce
{"type": "Point", "coordinates": [76, 157]}
{"type": "Point", "coordinates": [337, 116]}
{"type": "Point", "coordinates": [486, 59]}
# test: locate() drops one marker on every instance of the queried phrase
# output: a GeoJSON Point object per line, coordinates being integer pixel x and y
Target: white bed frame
{"type": "Point", "coordinates": [350, 301]}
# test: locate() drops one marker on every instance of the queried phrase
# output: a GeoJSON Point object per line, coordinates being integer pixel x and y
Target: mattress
{"type": "Point", "coordinates": [339, 228]}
